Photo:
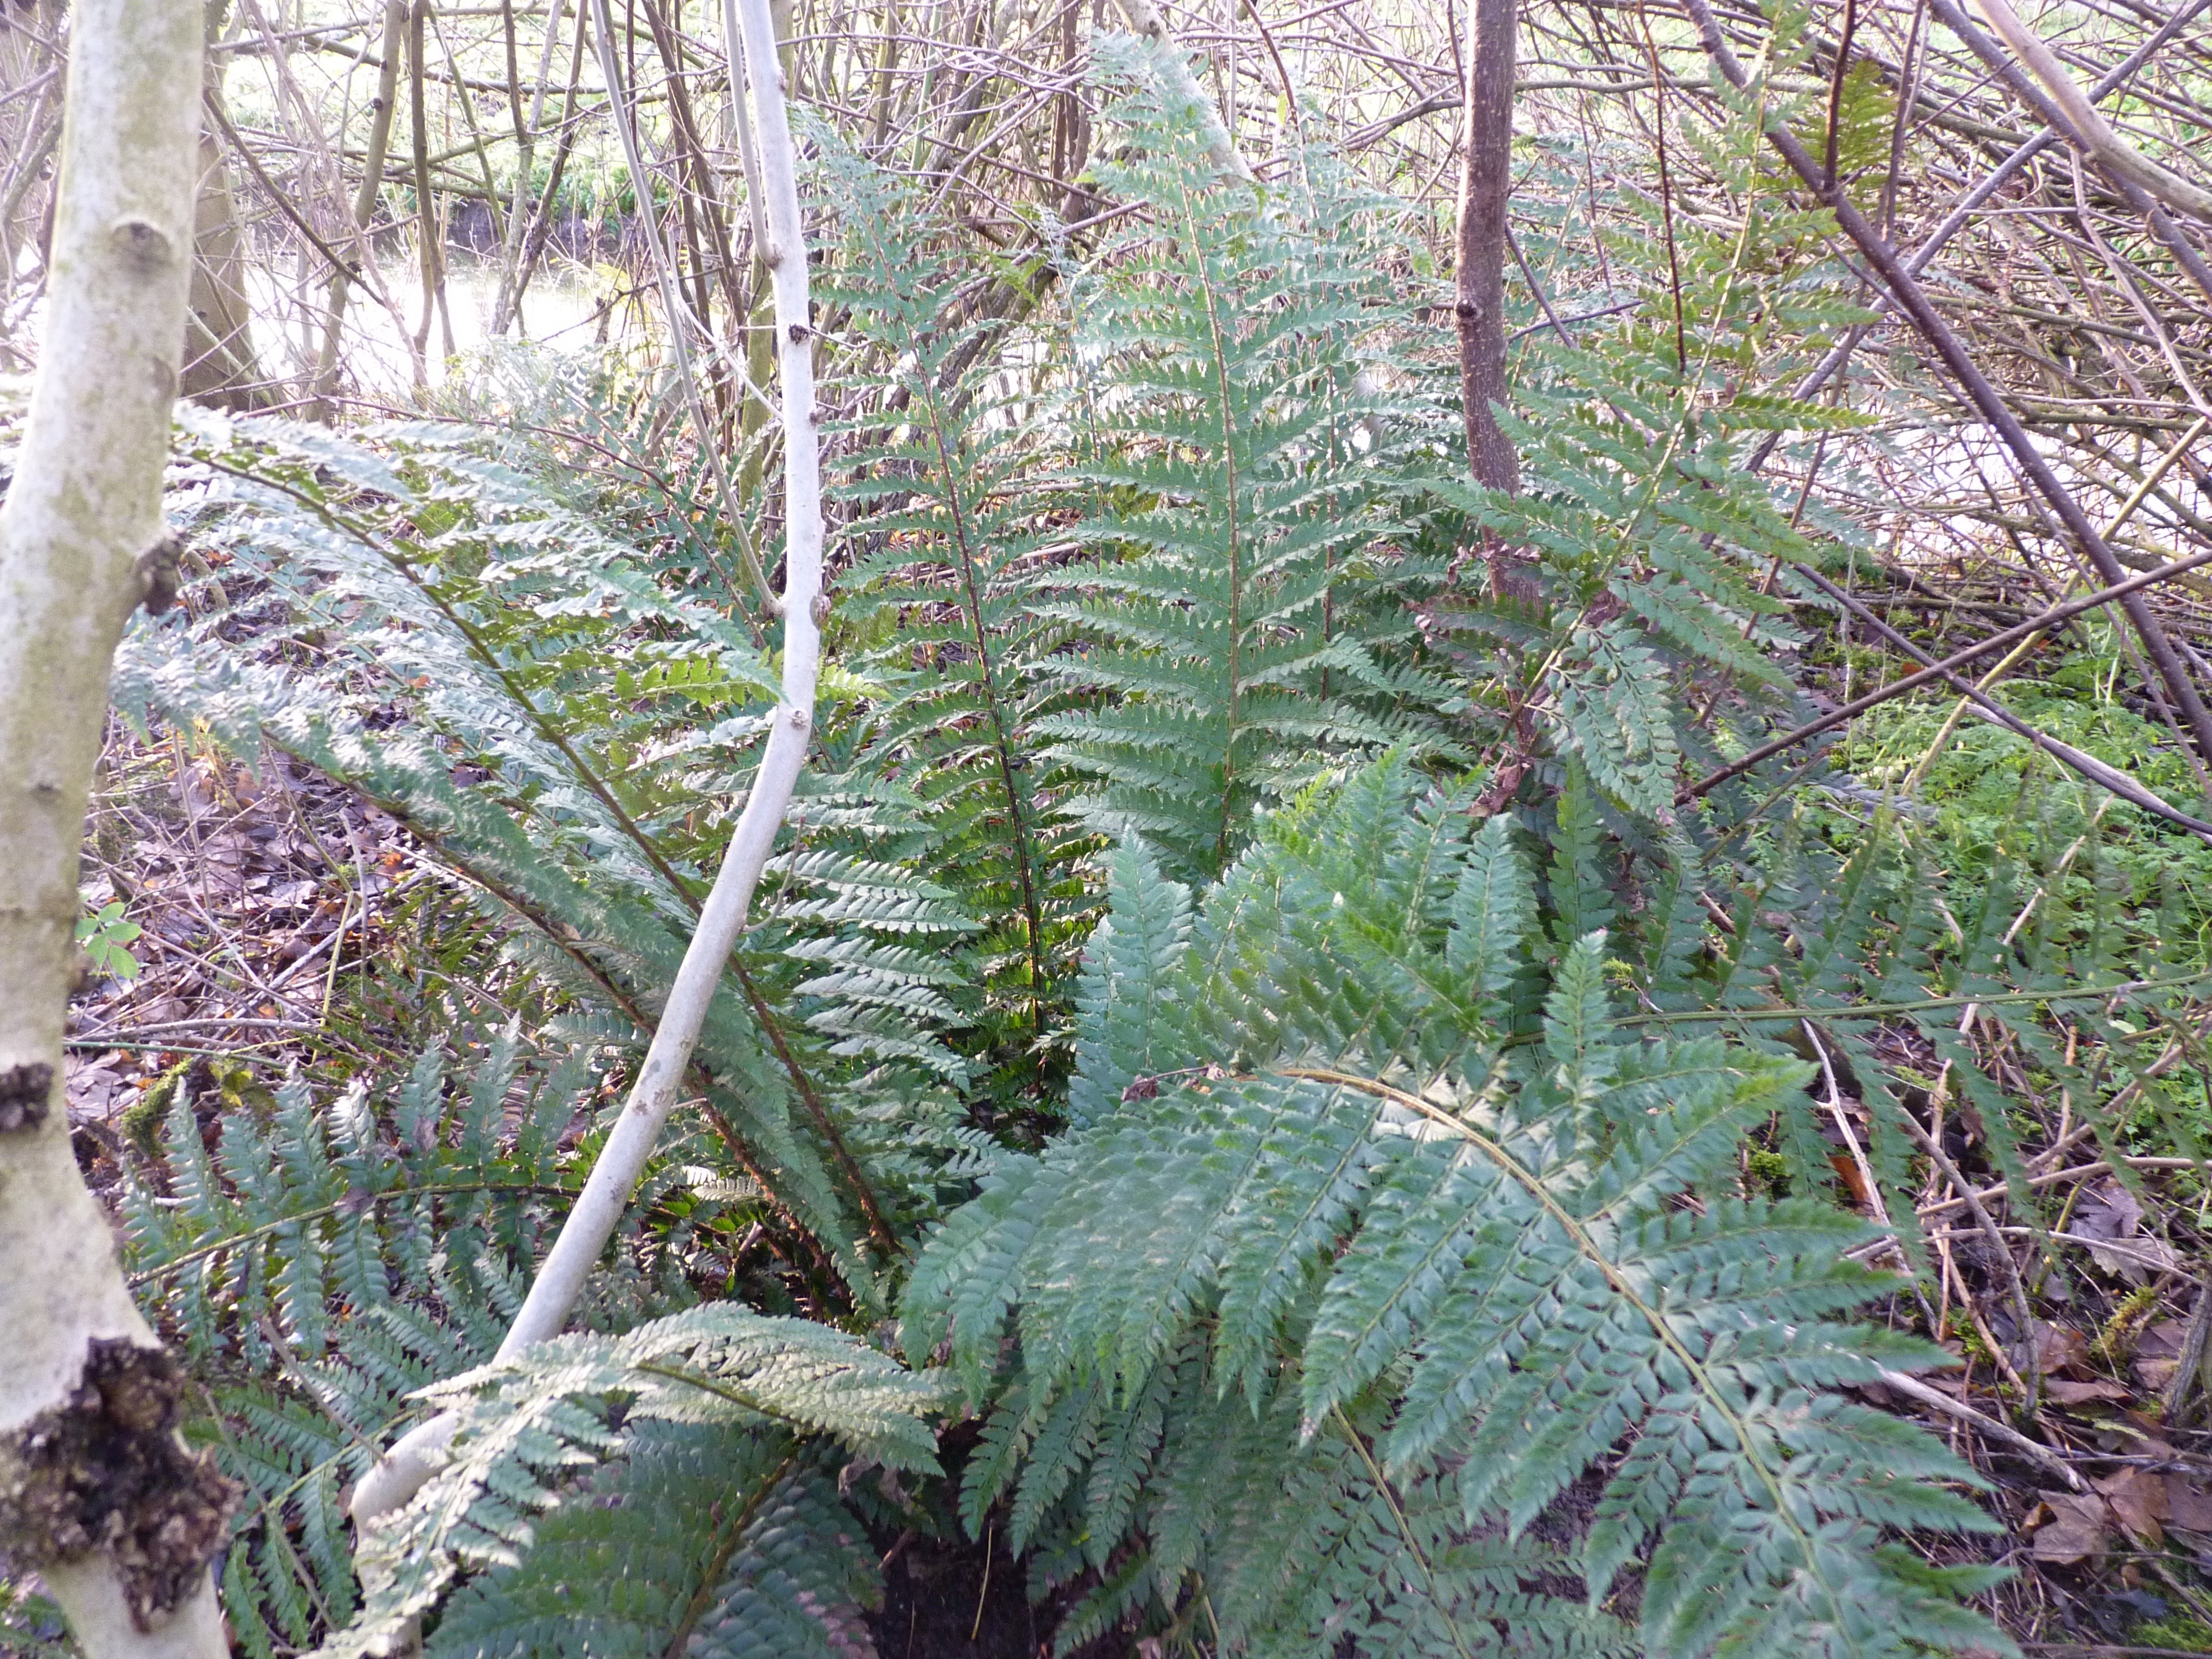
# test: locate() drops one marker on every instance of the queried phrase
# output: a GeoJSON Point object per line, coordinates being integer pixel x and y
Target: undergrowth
{"type": "Point", "coordinates": [1244, 1087]}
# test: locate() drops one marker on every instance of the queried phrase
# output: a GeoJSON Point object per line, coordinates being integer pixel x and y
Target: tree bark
{"type": "Point", "coordinates": [83, 510]}
{"type": "Point", "coordinates": [220, 368]}
{"type": "Point", "coordinates": [1485, 182]}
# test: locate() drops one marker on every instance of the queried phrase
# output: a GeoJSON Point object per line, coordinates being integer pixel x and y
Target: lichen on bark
{"type": "Point", "coordinates": [105, 1471]}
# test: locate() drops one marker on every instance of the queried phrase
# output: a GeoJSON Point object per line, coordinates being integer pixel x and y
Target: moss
{"type": "Point", "coordinates": [1767, 1172]}
{"type": "Point", "coordinates": [2181, 1633]}
{"type": "Point", "coordinates": [227, 1085]}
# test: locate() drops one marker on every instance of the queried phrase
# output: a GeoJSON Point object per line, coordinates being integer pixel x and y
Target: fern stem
{"type": "Point", "coordinates": [994, 701]}
{"type": "Point", "coordinates": [481, 647]}
{"type": "Point", "coordinates": [604, 793]}
{"type": "Point", "coordinates": [1220, 355]}
{"type": "Point", "coordinates": [1405, 1528]}
{"type": "Point", "coordinates": [1869, 1010]}
{"type": "Point", "coordinates": [622, 1161]}
{"type": "Point", "coordinates": [818, 1108]}
{"type": "Point", "coordinates": [1747, 1444]}
{"type": "Point", "coordinates": [710, 1579]}
{"type": "Point", "coordinates": [749, 1162]}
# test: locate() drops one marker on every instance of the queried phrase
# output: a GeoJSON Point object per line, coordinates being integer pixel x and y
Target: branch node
{"type": "Point", "coordinates": [156, 572]}
{"type": "Point", "coordinates": [143, 243]}
{"type": "Point", "coordinates": [24, 1093]}
{"type": "Point", "coordinates": [104, 1470]}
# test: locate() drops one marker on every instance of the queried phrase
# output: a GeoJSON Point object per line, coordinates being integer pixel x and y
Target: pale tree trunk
{"type": "Point", "coordinates": [598, 1208]}
{"type": "Point", "coordinates": [219, 367]}
{"type": "Point", "coordinates": [125, 1551]}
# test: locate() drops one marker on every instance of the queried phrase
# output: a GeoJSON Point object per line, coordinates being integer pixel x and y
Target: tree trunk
{"type": "Point", "coordinates": [364, 208]}
{"type": "Point", "coordinates": [1485, 181]}
{"type": "Point", "coordinates": [221, 368]}
{"type": "Point", "coordinates": [125, 1554]}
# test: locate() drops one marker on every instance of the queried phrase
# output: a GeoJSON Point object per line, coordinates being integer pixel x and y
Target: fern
{"type": "Point", "coordinates": [1390, 1290]}
{"type": "Point", "coordinates": [1240, 625]}
{"type": "Point", "coordinates": [950, 533]}
{"type": "Point", "coordinates": [717, 1400]}
{"type": "Point", "coordinates": [1462, 1254]}
{"type": "Point", "coordinates": [565, 714]}
{"type": "Point", "coordinates": [318, 1266]}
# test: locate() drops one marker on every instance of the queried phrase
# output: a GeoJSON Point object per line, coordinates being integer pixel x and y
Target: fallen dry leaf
{"type": "Point", "coordinates": [2158, 1353]}
{"type": "Point", "coordinates": [2059, 1348]}
{"type": "Point", "coordinates": [2068, 1392]}
{"type": "Point", "coordinates": [90, 1086]}
{"type": "Point", "coordinates": [2110, 1211]}
{"type": "Point", "coordinates": [2067, 1528]}
{"type": "Point", "coordinates": [2188, 1503]}
{"type": "Point", "coordinates": [2139, 1503]}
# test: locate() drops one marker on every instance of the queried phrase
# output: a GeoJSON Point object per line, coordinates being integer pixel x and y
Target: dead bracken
{"type": "Point", "coordinates": [105, 1471]}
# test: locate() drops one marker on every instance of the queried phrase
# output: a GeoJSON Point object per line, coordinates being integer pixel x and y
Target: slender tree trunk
{"type": "Point", "coordinates": [427, 237]}
{"type": "Point", "coordinates": [803, 607]}
{"type": "Point", "coordinates": [220, 368]}
{"type": "Point", "coordinates": [79, 1370]}
{"type": "Point", "coordinates": [364, 205]}
{"type": "Point", "coordinates": [1486, 182]}
{"type": "Point", "coordinates": [516, 255]}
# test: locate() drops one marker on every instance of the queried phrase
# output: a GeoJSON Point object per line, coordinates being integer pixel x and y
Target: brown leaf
{"type": "Point", "coordinates": [2066, 1392]}
{"type": "Point", "coordinates": [2067, 1528]}
{"type": "Point", "coordinates": [2110, 1211]}
{"type": "Point", "coordinates": [91, 1086]}
{"type": "Point", "coordinates": [2138, 1501]}
{"type": "Point", "coordinates": [1846, 1166]}
{"type": "Point", "coordinates": [2158, 1353]}
{"type": "Point", "coordinates": [2060, 1348]}
{"type": "Point", "coordinates": [2188, 1503]}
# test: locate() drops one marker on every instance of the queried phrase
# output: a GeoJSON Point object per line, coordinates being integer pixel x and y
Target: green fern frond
{"type": "Point", "coordinates": [750, 1392]}
{"type": "Point", "coordinates": [1481, 1255]}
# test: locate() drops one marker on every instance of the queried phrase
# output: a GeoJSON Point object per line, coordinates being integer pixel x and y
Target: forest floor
{"type": "Point", "coordinates": [271, 922]}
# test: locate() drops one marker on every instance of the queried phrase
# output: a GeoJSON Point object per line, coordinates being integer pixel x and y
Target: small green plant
{"type": "Point", "coordinates": [1766, 1172]}
{"type": "Point", "coordinates": [2180, 1634]}
{"type": "Point", "coordinates": [105, 936]}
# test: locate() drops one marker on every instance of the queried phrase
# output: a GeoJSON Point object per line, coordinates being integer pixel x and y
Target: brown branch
{"type": "Point", "coordinates": [2040, 623]}
{"type": "Point", "coordinates": [1985, 397]}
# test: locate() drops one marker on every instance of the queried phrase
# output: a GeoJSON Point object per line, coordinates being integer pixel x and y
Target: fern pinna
{"type": "Point", "coordinates": [716, 1527]}
{"type": "Point", "coordinates": [1241, 625]}
{"type": "Point", "coordinates": [1428, 1264]}
{"type": "Point", "coordinates": [949, 531]}
{"type": "Point", "coordinates": [320, 1265]}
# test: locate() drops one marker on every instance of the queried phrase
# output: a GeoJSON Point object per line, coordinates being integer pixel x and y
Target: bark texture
{"type": "Point", "coordinates": [1485, 185]}
{"type": "Point", "coordinates": [221, 368]}
{"type": "Point", "coordinates": [83, 507]}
